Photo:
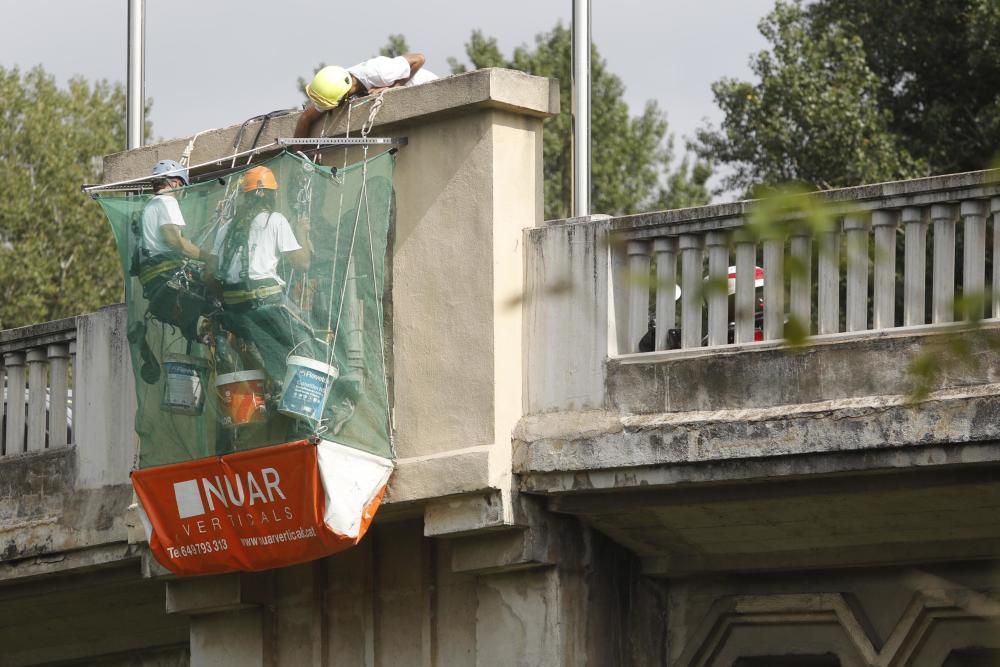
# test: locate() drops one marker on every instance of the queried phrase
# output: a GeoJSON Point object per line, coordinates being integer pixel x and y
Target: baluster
{"type": "Point", "coordinates": [974, 258]}
{"type": "Point", "coordinates": [884, 224]}
{"type": "Point", "coordinates": [74, 399]}
{"type": "Point", "coordinates": [14, 362]}
{"type": "Point", "coordinates": [856, 233]}
{"type": "Point", "coordinates": [801, 284]}
{"type": "Point", "coordinates": [774, 288]}
{"type": "Point", "coordinates": [746, 275]}
{"type": "Point", "coordinates": [638, 291]}
{"type": "Point", "coordinates": [3, 407]}
{"type": "Point", "coordinates": [915, 267]}
{"type": "Point", "coordinates": [718, 299]}
{"type": "Point", "coordinates": [829, 281]}
{"type": "Point", "coordinates": [995, 210]}
{"type": "Point", "coordinates": [943, 296]}
{"type": "Point", "coordinates": [37, 390]}
{"type": "Point", "coordinates": [666, 288]}
{"type": "Point", "coordinates": [691, 288]}
{"type": "Point", "coordinates": [58, 397]}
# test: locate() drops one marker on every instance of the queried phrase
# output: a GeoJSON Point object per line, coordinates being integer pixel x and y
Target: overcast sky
{"type": "Point", "coordinates": [215, 63]}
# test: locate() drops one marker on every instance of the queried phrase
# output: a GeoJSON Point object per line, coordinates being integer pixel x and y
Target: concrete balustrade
{"type": "Point", "coordinates": [866, 224]}
{"type": "Point", "coordinates": [35, 367]}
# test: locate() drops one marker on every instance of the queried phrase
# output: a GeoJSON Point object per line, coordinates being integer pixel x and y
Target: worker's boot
{"type": "Point", "coordinates": [150, 369]}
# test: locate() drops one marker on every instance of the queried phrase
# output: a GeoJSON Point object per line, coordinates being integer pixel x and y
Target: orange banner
{"type": "Point", "coordinates": [252, 510]}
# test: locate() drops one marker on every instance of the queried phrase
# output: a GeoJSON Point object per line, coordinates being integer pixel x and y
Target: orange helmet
{"type": "Point", "coordinates": [259, 178]}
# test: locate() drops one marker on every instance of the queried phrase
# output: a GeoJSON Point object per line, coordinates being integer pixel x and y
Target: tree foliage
{"type": "Point", "coordinates": [813, 117]}
{"type": "Point", "coordinates": [854, 92]}
{"type": "Point", "coordinates": [396, 46]}
{"type": "Point", "coordinates": [938, 66]}
{"type": "Point", "coordinates": [57, 254]}
{"type": "Point", "coordinates": [630, 154]}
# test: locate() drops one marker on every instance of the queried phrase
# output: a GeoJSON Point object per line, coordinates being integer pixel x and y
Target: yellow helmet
{"type": "Point", "coordinates": [330, 85]}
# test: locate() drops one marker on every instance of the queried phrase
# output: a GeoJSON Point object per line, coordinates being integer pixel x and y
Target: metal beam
{"type": "Point", "coordinates": [342, 141]}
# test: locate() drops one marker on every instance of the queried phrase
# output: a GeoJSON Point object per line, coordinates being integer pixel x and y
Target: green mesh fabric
{"type": "Point", "coordinates": [191, 328]}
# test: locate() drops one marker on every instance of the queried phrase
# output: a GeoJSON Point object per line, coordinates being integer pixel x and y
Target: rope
{"type": "Point", "coordinates": [186, 155]}
{"type": "Point", "coordinates": [367, 126]}
{"type": "Point", "coordinates": [381, 318]}
{"type": "Point", "coordinates": [365, 129]}
{"type": "Point", "coordinates": [340, 213]}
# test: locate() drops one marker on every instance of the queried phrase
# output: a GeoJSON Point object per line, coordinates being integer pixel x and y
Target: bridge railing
{"type": "Point", "coordinates": [895, 254]}
{"type": "Point", "coordinates": [67, 385]}
{"type": "Point", "coordinates": [36, 367]}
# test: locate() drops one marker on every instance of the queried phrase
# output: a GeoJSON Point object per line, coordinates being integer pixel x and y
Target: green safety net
{"type": "Point", "coordinates": [230, 354]}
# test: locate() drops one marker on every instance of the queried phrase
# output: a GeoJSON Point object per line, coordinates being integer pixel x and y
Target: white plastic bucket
{"type": "Point", "coordinates": [242, 397]}
{"type": "Point", "coordinates": [183, 389]}
{"type": "Point", "coordinates": [307, 386]}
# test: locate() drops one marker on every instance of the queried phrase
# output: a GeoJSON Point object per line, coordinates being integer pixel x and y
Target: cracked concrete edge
{"type": "Point", "coordinates": [760, 469]}
{"type": "Point", "coordinates": [533, 543]}
{"type": "Point", "coordinates": [422, 478]}
{"type": "Point", "coordinates": [77, 561]}
{"type": "Point", "coordinates": [548, 444]}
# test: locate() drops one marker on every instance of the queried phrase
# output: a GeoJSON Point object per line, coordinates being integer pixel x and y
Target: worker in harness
{"type": "Point", "coordinates": [332, 85]}
{"type": "Point", "coordinates": [244, 265]}
{"type": "Point", "coordinates": [170, 284]}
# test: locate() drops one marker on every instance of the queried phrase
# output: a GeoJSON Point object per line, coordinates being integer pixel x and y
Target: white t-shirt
{"type": "Point", "coordinates": [383, 71]}
{"type": "Point", "coordinates": [160, 210]}
{"type": "Point", "coordinates": [270, 235]}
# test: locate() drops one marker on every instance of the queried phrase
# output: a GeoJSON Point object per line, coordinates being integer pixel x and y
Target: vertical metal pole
{"type": "Point", "coordinates": [581, 107]}
{"type": "Point", "coordinates": [135, 96]}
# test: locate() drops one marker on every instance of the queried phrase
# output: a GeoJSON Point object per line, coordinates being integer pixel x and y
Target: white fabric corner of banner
{"type": "Point", "coordinates": [351, 479]}
{"type": "Point", "coordinates": [147, 526]}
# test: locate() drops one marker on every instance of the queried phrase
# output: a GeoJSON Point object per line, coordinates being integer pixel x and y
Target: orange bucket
{"type": "Point", "coordinates": [242, 396]}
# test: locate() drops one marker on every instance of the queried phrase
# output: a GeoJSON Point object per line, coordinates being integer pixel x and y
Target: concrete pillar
{"type": "Point", "coordinates": [58, 356]}
{"type": "Point", "coordinates": [828, 289]}
{"type": "Point", "coordinates": [665, 250]}
{"type": "Point", "coordinates": [856, 233]}
{"type": "Point", "coordinates": [104, 399]}
{"type": "Point", "coordinates": [717, 297]}
{"type": "Point", "coordinates": [16, 384]}
{"type": "Point", "coordinates": [229, 619]}
{"type": "Point", "coordinates": [943, 296]}
{"type": "Point", "coordinates": [37, 386]}
{"type": "Point", "coordinates": [229, 639]}
{"type": "Point", "coordinates": [884, 293]}
{"type": "Point", "coordinates": [638, 302]}
{"type": "Point", "coordinates": [914, 291]}
{"type": "Point", "coordinates": [690, 246]}
{"type": "Point", "coordinates": [746, 274]}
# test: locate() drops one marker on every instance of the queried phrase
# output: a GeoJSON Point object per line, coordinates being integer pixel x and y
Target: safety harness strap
{"type": "Point", "coordinates": [234, 297]}
{"type": "Point", "coordinates": [148, 273]}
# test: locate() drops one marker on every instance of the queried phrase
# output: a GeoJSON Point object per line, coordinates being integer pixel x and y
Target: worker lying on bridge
{"type": "Point", "coordinates": [244, 261]}
{"type": "Point", "coordinates": [171, 284]}
{"type": "Point", "coordinates": [332, 85]}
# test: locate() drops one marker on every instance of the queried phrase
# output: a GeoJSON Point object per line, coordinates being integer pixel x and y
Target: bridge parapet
{"type": "Point", "coordinates": [675, 284]}
{"type": "Point", "coordinates": [733, 451]}
{"type": "Point", "coordinates": [68, 444]}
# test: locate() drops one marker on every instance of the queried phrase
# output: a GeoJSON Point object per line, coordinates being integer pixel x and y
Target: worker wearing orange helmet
{"type": "Point", "coordinates": [245, 261]}
{"type": "Point", "coordinates": [332, 85]}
